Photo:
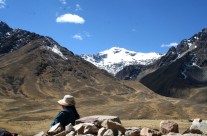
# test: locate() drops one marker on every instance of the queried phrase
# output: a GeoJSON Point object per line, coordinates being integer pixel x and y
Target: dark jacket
{"type": "Point", "coordinates": [65, 117]}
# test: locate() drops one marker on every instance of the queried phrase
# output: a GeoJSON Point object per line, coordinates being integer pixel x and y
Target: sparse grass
{"type": "Point", "coordinates": [26, 128]}
{"type": "Point", "coordinates": [155, 124]}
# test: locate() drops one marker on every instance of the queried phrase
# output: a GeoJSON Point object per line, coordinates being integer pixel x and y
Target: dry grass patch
{"type": "Point", "coordinates": [155, 124]}
{"type": "Point", "coordinates": [26, 128]}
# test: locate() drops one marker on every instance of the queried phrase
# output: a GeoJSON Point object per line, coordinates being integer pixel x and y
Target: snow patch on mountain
{"type": "Point", "coordinates": [115, 59]}
{"type": "Point", "coordinates": [56, 50]}
{"type": "Point", "coordinates": [53, 47]}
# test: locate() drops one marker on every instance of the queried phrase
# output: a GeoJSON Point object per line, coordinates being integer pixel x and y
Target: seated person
{"type": "Point", "coordinates": [69, 113]}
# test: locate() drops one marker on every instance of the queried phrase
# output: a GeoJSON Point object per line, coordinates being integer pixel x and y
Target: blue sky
{"type": "Point", "coordinates": [91, 26]}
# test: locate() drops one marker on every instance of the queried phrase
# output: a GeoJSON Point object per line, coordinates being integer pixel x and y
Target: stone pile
{"type": "Point", "coordinates": [111, 126]}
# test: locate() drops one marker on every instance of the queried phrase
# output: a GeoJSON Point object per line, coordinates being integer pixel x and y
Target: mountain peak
{"type": "Point", "coordinates": [115, 50]}
{"type": "Point", "coordinates": [3, 23]}
{"type": "Point", "coordinates": [115, 59]}
{"type": "Point", "coordinates": [4, 28]}
{"type": "Point", "coordinates": [13, 39]}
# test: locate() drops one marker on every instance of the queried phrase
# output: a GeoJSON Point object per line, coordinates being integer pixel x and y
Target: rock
{"type": "Point", "coordinates": [86, 128]}
{"type": "Point", "coordinates": [90, 128]}
{"type": "Point", "coordinates": [101, 131]}
{"type": "Point", "coordinates": [109, 124]}
{"type": "Point", "coordinates": [133, 131]}
{"type": "Point", "coordinates": [195, 131]}
{"type": "Point", "coordinates": [167, 126]}
{"type": "Point", "coordinates": [109, 132]}
{"type": "Point", "coordinates": [56, 129]}
{"type": "Point", "coordinates": [69, 128]}
{"type": "Point", "coordinates": [72, 133]}
{"type": "Point", "coordinates": [145, 132]}
{"type": "Point", "coordinates": [199, 126]}
{"type": "Point", "coordinates": [149, 132]}
{"type": "Point", "coordinates": [97, 119]}
{"type": "Point", "coordinates": [63, 133]}
{"type": "Point", "coordinates": [79, 128]}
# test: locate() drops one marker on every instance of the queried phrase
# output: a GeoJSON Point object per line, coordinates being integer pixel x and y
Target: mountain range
{"type": "Point", "coordinates": [180, 73]}
{"type": "Point", "coordinates": [37, 66]}
{"type": "Point", "coordinates": [36, 71]}
{"type": "Point", "coordinates": [115, 59]}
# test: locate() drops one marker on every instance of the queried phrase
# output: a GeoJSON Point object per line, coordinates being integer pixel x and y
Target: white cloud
{"type": "Point", "coordinates": [70, 18]}
{"type": "Point", "coordinates": [2, 4]}
{"type": "Point", "coordinates": [77, 7]}
{"type": "Point", "coordinates": [82, 35]}
{"type": "Point", "coordinates": [77, 37]}
{"type": "Point", "coordinates": [169, 45]}
{"type": "Point", "coordinates": [63, 2]}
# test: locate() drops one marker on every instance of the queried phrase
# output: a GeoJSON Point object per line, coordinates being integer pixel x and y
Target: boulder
{"type": "Point", "coordinates": [72, 133]}
{"type": "Point", "coordinates": [109, 124]}
{"type": "Point", "coordinates": [101, 131]}
{"type": "Point", "coordinates": [167, 126]}
{"type": "Point", "coordinates": [109, 132]}
{"type": "Point", "coordinates": [85, 128]}
{"type": "Point", "coordinates": [134, 131]}
{"type": "Point", "coordinates": [56, 129]}
{"type": "Point", "coordinates": [199, 127]}
{"type": "Point", "coordinates": [195, 131]}
{"type": "Point", "coordinates": [149, 132]}
{"type": "Point", "coordinates": [90, 128]}
{"type": "Point", "coordinates": [97, 119]}
{"type": "Point", "coordinates": [69, 128]}
{"type": "Point", "coordinates": [79, 129]}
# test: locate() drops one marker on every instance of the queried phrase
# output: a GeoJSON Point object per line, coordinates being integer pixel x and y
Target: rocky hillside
{"type": "Point", "coordinates": [182, 72]}
{"type": "Point", "coordinates": [36, 66]}
{"type": "Point", "coordinates": [130, 72]}
{"type": "Point", "coordinates": [115, 59]}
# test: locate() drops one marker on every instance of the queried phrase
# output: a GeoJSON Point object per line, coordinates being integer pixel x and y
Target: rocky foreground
{"type": "Point", "coordinates": [111, 126]}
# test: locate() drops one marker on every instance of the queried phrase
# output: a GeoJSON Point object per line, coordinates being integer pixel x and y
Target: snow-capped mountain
{"type": "Point", "coordinates": [115, 59]}
{"type": "Point", "coordinates": [182, 71]}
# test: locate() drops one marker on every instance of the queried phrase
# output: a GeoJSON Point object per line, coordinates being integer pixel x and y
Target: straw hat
{"type": "Point", "coordinates": [67, 100]}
